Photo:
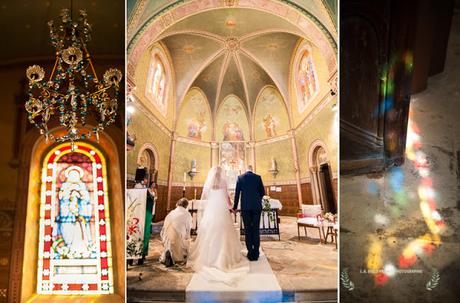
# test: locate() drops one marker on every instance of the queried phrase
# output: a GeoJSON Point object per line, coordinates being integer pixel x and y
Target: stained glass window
{"type": "Point", "coordinates": [75, 255]}
{"type": "Point", "coordinates": [307, 82]}
{"type": "Point", "coordinates": [156, 84]}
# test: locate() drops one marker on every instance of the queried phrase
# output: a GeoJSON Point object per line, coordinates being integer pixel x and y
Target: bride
{"type": "Point", "coordinates": [216, 253]}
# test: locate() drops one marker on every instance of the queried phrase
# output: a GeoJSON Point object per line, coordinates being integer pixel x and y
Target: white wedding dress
{"type": "Point", "coordinates": [216, 253]}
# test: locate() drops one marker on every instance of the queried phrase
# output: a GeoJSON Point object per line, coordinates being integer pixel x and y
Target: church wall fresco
{"type": "Point", "coordinates": [148, 132]}
{"type": "Point", "coordinates": [231, 122]}
{"type": "Point", "coordinates": [184, 153]}
{"type": "Point", "coordinates": [323, 126]}
{"type": "Point", "coordinates": [270, 118]}
{"type": "Point", "coordinates": [150, 85]}
{"type": "Point", "coordinates": [194, 118]}
{"type": "Point", "coordinates": [308, 81]}
{"type": "Point", "coordinates": [281, 152]}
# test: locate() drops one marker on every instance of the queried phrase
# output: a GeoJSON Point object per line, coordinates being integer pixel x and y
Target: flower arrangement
{"type": "Point", "coordinates": [330, 217]}
{"type": "Point", "coordinates": [267, 207]}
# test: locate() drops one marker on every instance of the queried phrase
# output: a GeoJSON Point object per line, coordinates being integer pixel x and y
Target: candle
{"type": "Point", "coordinates": [194, 195]}
{"type": "Point", "coordinates": [185, 177]}
{"type": "Point", "coordinates": [268, 190]}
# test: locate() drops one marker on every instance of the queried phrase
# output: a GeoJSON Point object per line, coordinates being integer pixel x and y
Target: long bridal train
{"type": "Point", "coordinates": [216, 253]}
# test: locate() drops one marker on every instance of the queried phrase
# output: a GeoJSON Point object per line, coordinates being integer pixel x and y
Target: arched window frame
{"type": "Point", "coordinates": [103, 282]}
{"type": "Point", "coordinates": [157, 58]}
{"type": "Point", "coordinates": [302, 52]}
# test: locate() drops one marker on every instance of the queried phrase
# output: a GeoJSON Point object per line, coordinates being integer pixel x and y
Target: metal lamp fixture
{"type": "Point", "coordinates": [192, 172]}
{"type": "Point", "coordinates": [73, 90]}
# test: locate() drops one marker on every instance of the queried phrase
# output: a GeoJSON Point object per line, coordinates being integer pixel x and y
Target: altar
{"type": "Point", "coordinates": [269, 219]}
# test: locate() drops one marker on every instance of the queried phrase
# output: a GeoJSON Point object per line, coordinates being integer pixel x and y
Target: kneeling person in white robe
{"type": "Point", "coordinates": [175, 234]}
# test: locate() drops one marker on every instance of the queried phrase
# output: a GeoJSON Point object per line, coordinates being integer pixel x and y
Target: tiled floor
{"type": "Point", "coordinates": [304, 269]}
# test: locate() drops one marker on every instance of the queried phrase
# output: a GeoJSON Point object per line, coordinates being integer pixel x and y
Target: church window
{"type": "Point", "coordinates": [75, 255]}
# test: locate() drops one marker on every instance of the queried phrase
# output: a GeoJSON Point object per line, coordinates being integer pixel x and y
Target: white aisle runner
{"type": "Point", "coordinates": [259, 285]}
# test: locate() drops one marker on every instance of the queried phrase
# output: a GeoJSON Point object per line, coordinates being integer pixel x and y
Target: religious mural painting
{"type": "Point", "coordinates": [232, 123]}
{"type": "Point", "coordinates": [195, 118]}
{"type": "Point", "coordinates": [271, 118]}
{"type": "Point", "coordinates": [306, 79]}
{"type": "Point", "coordinates": [156, 83]}
{"type": "Point", "coordinates": [75, 255]}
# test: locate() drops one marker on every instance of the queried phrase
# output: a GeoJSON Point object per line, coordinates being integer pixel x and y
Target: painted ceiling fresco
{"type": "Point", "coordinates": [194, 120]}
{"type": "Point", "coordinates": [232, 121]}
{"type": "Point", "coordinates": [231, 50]}
{"type": "Point", "coordinates": [271, 117]}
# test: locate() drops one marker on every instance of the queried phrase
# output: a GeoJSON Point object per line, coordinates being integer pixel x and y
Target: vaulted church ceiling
{"type": "Point", "coordinates": [235, 47]}
{"type": "Point", "coordinates": [325, 11]}
{"type": "Point", "coordinates": [231, 51]}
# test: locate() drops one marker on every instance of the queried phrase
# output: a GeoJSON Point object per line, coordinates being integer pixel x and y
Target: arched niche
{"type": "Point", "coordinates": [321, 176]}
{"type": "Point", "coordinates": [27, 249]}
{"type": "Point", "coordinates": [148, 158]}
{"type": "Point", "coordinates": [194, 119]}
{"type": "Point", "coordinates": [232, 122]}
{"type": "Point", "coordinates": [270, 118]}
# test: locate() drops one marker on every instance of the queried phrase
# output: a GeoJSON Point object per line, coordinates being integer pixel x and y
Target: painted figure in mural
{"type": "Point", "coordinates": [270, 125]}
{"type": "Point", "coordinates": [197, 126]}
{"type": "Point", "coordinates": [307, 78]}
{"type": "Point", "coordinates": [232, 132]}
{"type": "Point", "coordinates": [72, 234]}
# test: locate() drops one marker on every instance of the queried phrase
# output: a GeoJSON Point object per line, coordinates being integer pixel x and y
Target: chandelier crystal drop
{"type": "Point", "coordinates": [73, 90]}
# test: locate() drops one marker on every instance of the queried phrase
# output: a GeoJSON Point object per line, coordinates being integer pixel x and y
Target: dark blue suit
{"type": "Point", "coordinates": [251, 189]}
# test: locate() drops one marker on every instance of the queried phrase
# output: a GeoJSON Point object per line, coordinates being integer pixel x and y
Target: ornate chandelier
{"type": "Point", "coordinates": [72, 91]}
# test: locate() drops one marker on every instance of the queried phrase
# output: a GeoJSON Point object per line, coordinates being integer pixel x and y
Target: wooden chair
{"type": "Point", "coordinates": [310, 216]}
{"type": "Point", "coordinates": [332, 231]}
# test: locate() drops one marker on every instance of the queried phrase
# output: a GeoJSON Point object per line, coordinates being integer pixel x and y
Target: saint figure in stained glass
{"type": "Point", "coordinates": [72, 235]}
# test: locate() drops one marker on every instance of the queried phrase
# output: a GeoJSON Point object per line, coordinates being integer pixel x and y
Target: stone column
{"type": "Point", "coordinates": [296, 167]}
{"type": "Point", "coordinates": [314, 185]}
{"type": "Point", "coordinates": [170, 169]}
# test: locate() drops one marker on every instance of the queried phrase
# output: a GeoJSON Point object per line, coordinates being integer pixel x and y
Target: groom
{"type": "Point", "coordinates": [251, 188]}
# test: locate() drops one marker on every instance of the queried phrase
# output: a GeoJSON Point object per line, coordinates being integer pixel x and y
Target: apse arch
{"type": "Point", "coordinates": [24, 261]}
{"type": "Point", "coordinates": [256, 106]}
{"type": "Point", "coordinates": [232, 136]}
{"type": "Point", "coordinates": [184, 103]}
